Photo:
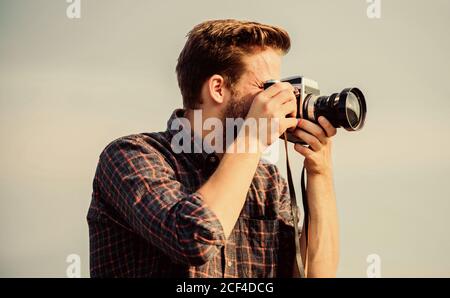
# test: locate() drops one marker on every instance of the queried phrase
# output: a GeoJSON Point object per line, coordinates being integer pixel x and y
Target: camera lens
{"type": "Point", "coordinates": [352, 109]}
{"type": "Point", "coordinates": [345, 109]}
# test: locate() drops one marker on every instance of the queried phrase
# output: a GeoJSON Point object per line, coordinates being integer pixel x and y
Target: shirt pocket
{"type": "Point", "coordinates": [258, 247]}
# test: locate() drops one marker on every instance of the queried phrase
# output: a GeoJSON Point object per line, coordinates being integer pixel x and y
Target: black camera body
{"type": "Point", "coordinates": [345, 109]}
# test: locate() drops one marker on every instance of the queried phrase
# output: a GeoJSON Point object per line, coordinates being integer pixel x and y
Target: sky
{"type": "Point", "coordinates": [68, 87]}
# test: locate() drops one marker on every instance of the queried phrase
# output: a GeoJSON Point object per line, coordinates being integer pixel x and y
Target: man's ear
{"type": "Point", "coordinates": [216, 88]}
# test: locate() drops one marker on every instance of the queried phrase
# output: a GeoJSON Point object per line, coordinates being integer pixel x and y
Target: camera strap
{"type": "Point", "coordinates": [300, 269]}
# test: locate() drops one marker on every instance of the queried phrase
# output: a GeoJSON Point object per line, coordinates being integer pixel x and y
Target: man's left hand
{"type": "Point", "coordinates": [318, 137]}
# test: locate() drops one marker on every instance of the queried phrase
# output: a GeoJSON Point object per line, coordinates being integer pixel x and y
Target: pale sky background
{"type": "Point", "coordinates": [69, 87]}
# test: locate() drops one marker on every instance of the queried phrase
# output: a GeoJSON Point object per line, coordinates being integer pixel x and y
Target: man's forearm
{"type": "Point", "coordinates": [226, 190]}
{"type": "Point", "coordinates": [323, 242]}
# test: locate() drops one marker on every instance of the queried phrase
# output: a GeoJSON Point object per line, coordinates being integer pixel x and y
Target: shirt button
{"type": "Point", "coordinates": [229, 263]}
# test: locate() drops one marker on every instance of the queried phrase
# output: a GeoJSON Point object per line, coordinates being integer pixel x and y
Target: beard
{"type": "Point", "coordinates": [237, 107]}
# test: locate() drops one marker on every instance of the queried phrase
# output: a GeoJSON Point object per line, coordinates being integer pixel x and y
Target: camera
{"type": "Point", "coordinates": [345, 109]}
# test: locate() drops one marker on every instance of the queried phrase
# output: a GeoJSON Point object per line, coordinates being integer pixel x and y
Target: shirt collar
{"type": "Point", "coordinates": [198, 151]}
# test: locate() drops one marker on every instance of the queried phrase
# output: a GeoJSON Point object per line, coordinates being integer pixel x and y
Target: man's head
{"type": "Point", "coordinates": [224, 63]}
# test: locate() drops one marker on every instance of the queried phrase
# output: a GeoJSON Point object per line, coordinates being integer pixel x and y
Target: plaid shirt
{"type": "Point", "coordinates": [147, 220]}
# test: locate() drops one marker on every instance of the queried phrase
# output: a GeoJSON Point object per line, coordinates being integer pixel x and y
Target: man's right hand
{"type": "Point", "coordinates": [274, 104]}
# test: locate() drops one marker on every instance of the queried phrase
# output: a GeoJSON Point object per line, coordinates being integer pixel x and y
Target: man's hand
{"type": "Point", "coordinates": [323, 238]}
{"type": "Point", "coordinates": [318, 155]}
{"type": "Point", "coordinates": [275, 103]}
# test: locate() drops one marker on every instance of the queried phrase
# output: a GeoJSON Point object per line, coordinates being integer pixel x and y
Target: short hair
{"type": "Point", "coordinates": [217, 47]}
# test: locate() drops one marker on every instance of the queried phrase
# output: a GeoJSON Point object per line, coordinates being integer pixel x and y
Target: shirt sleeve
{"type": "Point", "coordinates": [141, 185]}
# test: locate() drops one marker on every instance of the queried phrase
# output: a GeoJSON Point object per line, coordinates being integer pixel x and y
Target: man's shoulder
{"type": "Point", "coordinates": [155, 143]}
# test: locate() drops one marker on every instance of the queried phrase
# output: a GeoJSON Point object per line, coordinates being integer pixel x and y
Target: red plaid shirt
{"type": "Point", "coordinates": [147, 220]}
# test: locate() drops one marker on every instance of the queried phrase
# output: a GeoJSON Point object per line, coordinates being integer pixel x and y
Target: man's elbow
{"type": "Point", "coordinates": [200, 254]}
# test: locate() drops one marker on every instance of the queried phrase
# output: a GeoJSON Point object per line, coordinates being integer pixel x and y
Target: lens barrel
{"type": "Point", "coordinates": [346, 109]}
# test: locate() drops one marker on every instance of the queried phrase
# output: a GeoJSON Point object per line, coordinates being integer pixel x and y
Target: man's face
{"type": "Point", "coordinates": [260, 67]}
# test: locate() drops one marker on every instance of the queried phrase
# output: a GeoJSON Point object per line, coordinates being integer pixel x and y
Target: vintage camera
{"type": "Point", "coordinates": [345, 109]}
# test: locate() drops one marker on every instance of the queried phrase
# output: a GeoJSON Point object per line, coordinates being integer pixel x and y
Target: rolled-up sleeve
{"type": "Point", "coordinates": [141, 186]}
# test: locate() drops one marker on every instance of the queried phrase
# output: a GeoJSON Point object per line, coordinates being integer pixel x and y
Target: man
{"type": "Point", "coordinates": [158, 213]}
